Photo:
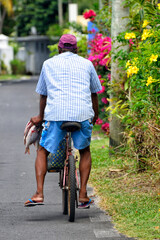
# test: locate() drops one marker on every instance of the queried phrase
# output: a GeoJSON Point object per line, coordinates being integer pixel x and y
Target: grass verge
{"type": "Point", "coordinates": [131, 198]}
{"type": "Point", "coordinates": [12, 77]}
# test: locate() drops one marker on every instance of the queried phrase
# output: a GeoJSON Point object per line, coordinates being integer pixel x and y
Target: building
{"type": "Point", "coordinates": [34, 51]}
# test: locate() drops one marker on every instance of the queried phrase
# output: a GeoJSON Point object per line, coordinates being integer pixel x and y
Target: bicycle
{"type": "Point", "coordinates": [68, 177]}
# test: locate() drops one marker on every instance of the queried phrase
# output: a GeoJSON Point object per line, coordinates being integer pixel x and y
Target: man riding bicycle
{"type": "Point", "coordinates": [68, 86]}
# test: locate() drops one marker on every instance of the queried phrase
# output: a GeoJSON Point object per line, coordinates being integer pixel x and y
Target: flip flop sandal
{"type": "Point", "coordinates": [32, 203]}
{"type": "Point", "coordinates": [85, 205]}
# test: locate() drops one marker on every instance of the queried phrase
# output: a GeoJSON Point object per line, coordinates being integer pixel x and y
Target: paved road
{"type": "Point", "coordinates": [18, 102]}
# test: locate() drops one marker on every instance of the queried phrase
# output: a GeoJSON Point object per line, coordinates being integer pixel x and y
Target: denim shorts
{"type": "Point", "coordinates": [52, 135]}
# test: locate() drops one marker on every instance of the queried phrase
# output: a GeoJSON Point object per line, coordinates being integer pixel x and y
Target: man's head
{"type": "Point", "coordinates": [67, 42]}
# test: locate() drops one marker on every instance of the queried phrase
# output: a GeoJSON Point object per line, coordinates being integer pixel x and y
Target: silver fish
{"type": "Point", "coordinates": [32, 137]}
{"type": "Point", "coordinates": [26, 130]}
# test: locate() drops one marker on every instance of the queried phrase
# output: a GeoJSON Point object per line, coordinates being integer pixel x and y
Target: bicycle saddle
{"type": "Point", "coordinates": [71, 126]}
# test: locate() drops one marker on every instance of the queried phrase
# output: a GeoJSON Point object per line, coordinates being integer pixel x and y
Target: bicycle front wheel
{"type": "Point", "coordinates": [71, 189]}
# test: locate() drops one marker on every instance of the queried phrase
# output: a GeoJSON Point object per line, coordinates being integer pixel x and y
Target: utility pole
{"type": "Point", "coordinates": [60, 12]}
{"type": "Point", "coordinates": [0, 33]}
{"type": "Point", "coordinates": [0, 19]}
{"type": "Point", "coordinates": [100, 4]}
{"type": "Point", "coordinates": [118, 25]}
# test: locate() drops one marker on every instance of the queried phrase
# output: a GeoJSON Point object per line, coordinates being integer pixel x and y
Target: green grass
{"type": "Point", "coordinates": [11, 77]}
{"type": "Point", "coordinates": [131, 198]}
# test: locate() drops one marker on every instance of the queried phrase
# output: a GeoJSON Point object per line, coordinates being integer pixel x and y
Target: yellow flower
{"type": "Point", "coordinates": [135, 69]}
{"type": "Point", "coordinates": [146, 33]}
{"type": "Point", "coordinates": [130, 35]}
{"type": "Point", "coordinates": [158, 6]}
{"type": "Point", "coordinates": [153, 58]}
{"type": "Point", "coordinates": [149, 80]}
{"type": "Point", "coordinates": [128, 63]}
{"type": "Point", "coordinates": [145, 23]}
{"type": "Point", "coordinates": [132, 70]}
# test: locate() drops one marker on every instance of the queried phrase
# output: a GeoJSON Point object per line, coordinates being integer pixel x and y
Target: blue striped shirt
{"type": "Point", "coordinates": [68, 81]}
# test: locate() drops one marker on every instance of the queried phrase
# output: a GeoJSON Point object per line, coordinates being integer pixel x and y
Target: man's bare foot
{"type": "Point", "coordinates": [83, 197]}
{"type": "Point", "coordinates": [37, 199]}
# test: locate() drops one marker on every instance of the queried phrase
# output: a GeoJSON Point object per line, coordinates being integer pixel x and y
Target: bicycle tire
{"type": "Point", "coordinates": [65, 201]}
{"type": "Point", "coordinates": [71, 189]}
{"type": "Point", "coordinates": [64, 195]}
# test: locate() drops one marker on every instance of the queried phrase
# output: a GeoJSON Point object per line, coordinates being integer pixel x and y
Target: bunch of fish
{"type": "Point", "coordinates": [31, 136]}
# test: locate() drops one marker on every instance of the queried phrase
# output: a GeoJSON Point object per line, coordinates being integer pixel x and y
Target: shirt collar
{"type": "Point", "coordinates": [66, 54]}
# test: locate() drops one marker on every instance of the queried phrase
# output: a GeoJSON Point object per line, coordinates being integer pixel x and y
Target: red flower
{"type": "Point", "coordinates": [105, 127]}
{"type": "Point", "coordinates": [99, 121]}
{"type": "Point", "coordinates": [104, 100]}
{"type": "Point", "coordinates": [89, 14]}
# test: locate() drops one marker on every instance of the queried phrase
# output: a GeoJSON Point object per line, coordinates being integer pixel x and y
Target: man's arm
{"type": "Point", "coordinates": [42, 104]}
{"type": "Point", "coordinates": [95, 106]}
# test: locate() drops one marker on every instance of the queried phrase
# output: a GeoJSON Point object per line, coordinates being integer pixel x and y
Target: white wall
{"type": "Point", "coordinates": [73, 12]}
{"type": "Point", "coordinates": [6, 52]}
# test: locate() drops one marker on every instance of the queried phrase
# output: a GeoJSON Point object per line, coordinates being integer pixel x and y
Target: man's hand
{"type": "Point", "coordinates": [36, 120]}
{"type": "Point", "coordinates": [95, 106]}
{"type": "Point", "coordinates": [94, 120]}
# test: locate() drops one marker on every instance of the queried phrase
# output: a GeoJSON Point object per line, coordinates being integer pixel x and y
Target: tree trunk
{"type": "Point", "coordinates": [118, 25]}
{"type": "Point", "coordinates": [60, 12]}
{"type": "Point", "coordinates": [2, 17]}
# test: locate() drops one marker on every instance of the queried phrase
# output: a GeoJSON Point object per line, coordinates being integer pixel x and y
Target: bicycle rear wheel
{"type": "Point", "coordinates": [65, 201]}
{"type": "Point", "coordinates": [71, 189]}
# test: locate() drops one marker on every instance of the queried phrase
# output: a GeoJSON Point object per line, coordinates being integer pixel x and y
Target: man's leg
{"type": "Point", "coordinates": [84, 169]}
{"type": "Point", "coordinates": [40, 169]}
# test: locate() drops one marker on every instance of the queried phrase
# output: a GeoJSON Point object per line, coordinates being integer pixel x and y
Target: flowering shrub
{"type": "Point", "coordinates": [100, 48]}
{"type": "Point", "coordinates": [141, 94]}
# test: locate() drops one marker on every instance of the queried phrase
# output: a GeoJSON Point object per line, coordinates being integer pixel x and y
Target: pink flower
{"type": "Point", "coordinates": [131, 42]}
{"type": "Point", "coordinates": [99, 121]}
{"type": "Point", "coordinates": [104, 61]}
{"type": "Point", "coordinates": [93, 30]}
{"type": "Point", "coordinates": [104, 100]}
{"type": "Point", "coordinates": [105, 127]}
{"type": "Point", "coordinates": [102, 109]}
{"type": "Point", "coordinates": [102, 81]}
{"type": "Point", "coordinates": [91, 58]}
{"type": "Point", "coordinates": [109, 76]}
{"type": "Point", "coordinates": [100, 48]}
{"type": "Point", "coordinates": [102, 91]}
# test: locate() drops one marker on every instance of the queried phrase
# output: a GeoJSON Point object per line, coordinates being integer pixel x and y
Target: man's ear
{"type": "Point", "coordinates": [76, 50]}
{"type": "Point", "coordinates": [59, 50]}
